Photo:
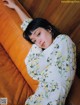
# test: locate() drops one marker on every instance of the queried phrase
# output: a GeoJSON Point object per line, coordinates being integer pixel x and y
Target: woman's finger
{"type": "Point", "coordinates": [5, 1]}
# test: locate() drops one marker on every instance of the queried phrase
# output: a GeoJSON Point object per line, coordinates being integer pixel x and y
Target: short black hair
{"type": "Point", "coordinates": [40, 22]}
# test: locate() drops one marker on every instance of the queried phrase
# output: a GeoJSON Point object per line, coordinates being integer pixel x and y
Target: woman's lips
{"type": "Point", "coordinates": [43, 44]}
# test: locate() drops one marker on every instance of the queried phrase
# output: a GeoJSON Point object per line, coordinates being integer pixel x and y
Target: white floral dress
{"type": "Point", "coordinates": [54, 68]}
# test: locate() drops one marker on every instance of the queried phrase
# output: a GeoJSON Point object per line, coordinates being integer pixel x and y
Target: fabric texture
{"type": "Point", "coordinates": [25, 24]}
{"type": "Point", "coordinates": [54, 68]}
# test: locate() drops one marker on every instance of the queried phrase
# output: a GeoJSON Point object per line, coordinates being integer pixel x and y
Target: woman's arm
{"type": "Point", "coordinates": [11, 4]}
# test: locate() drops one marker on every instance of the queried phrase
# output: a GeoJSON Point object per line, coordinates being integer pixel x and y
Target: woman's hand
{"type": "Point", "coordinates": [10, 3]}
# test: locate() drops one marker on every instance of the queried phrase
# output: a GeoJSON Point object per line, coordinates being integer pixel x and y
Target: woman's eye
{"type": "Point", "coordinates": [38, 34]}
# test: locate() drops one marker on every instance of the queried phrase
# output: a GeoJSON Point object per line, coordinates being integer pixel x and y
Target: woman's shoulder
{"type": "Point", "coordinates": [63, 38]}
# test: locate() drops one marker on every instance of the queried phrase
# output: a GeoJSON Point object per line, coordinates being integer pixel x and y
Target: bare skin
{"type": "Point", "coordinates": [41, 37]}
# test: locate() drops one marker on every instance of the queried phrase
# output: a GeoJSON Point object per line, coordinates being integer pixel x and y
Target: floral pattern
{"type": "Point", "coordinates": [54, 68]}
{"type": "Point", "coordinates": [25, 24]}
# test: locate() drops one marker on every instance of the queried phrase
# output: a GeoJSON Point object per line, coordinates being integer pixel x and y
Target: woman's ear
{"type": "Point", "coordinates": [49, 30]}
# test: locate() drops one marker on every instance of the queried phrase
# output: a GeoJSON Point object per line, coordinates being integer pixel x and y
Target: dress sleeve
{"type": "Point", "coordinates": [25, 23]}
{"type": "Point", "coordinates": [67, 63]}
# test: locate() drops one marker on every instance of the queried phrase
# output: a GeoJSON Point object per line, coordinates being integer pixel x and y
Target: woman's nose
{"type": "Point", "coordinates": [40, 42]}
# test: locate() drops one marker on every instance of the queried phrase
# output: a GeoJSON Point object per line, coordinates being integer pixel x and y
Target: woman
{"type": "Point", "coordinates": [51, 60]}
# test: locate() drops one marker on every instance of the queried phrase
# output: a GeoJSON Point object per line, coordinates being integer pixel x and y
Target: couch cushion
{"type": "Point", "coordinates": [12, 40]}
{"type": "Point", "coordinates": [12, 84]}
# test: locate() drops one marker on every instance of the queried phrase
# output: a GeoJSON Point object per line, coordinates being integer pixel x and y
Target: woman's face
{"type": "Point", "coordinates": [41, 37]}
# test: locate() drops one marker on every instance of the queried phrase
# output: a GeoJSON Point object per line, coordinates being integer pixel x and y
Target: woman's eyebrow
{"type": "Point", "coordinates": [33, 38]}
{"type": "Point", "coordinates": [34, 32]}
